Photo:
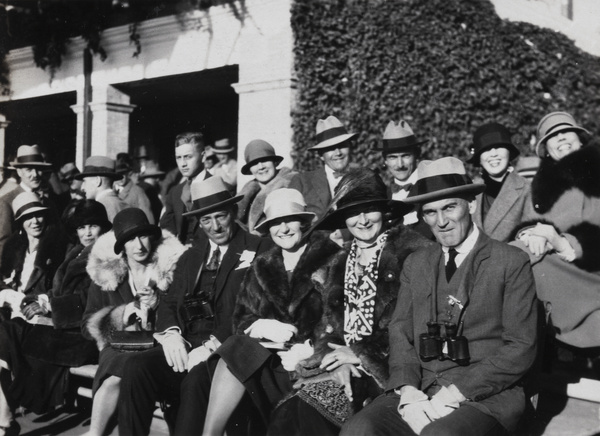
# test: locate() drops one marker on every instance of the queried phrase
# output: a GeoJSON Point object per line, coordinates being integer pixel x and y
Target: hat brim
{"type": "Point", "coordinates": [333, 141]}
{"type": "Point", "coordinates": [146, 229]}
{"type": "Point", "coordinates": [305, 216]}
{"type": "Point", "coordinates": [541, 143]}
{"type": "Point", "coordinates": [514, 152]}
{"type": "Point", "coordinates": [30, 164]}
{"type": "Point", "coordinates": [227, 150]}
{"type": "Point", "coordinates": [470, 189]}
{"type": "Point", "coordinates": [113, 176]}
{"type": "Point", "coordinates": [335, 220]}
{"type": "Point", "coordinates": [155, 174]}
{"type": "Point", "coordinates": [246, 168]}
{"type": "Point", "coordinates": [30, 211]}
{"type": "Point", "coordinates": [213, 207]}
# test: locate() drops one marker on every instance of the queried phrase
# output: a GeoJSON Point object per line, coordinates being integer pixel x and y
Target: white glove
{"type": "Point", "coordinates": [174, 347]}
{"type": "Point", "coordinates": [298, 352]}
{"type": "Point", "coordinates": [271, 330]}
{"type": "Point", "coordinates": [198, 355]}
{"type": "Point", "coordinates": [12, 298]}
{"type": "Point", "coordinates": [446, 400]}
{"type": "Point", "coordinates": [415, 408]}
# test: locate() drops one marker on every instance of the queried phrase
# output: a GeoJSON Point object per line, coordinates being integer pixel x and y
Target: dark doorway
{"type": "Point", "coordinates": [47, 121]}
{"type": "Point", "coordinates": [203, 101]}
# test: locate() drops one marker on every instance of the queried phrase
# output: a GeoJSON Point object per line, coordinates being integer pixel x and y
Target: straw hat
{"type": "Point", "coordinates": [281, 203]}
{"type": "Point", "coordinates": [129, 223]}
{"type": "Point", "coordinates": [222, 146]}
{"type": "Point", "coordinates": [26, 203]}
{"type": "Point", "coordinates": [99, 166]}
{"type": "Point", "coordinates": [29, 156]}
{"type": "Point", "coordinates": [330, 132]}
{"type": "Point", "coordinates": [553, 123]}
{"type": "Point", "coordinates": [398, 137]}
{"type": "Point", "coordinates": [442, 178]}
{"type": "Point", "coordinates": [209, 195]}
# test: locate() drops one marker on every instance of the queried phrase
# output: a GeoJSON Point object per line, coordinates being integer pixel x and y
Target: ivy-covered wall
{"type": "Point", "coordinates": [445, 66]}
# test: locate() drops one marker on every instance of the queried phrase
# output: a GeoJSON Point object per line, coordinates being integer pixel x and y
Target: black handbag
{"type": "Point", "coordinates": [137, 340]}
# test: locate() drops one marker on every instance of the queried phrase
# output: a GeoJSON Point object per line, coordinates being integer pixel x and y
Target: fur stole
{"type": "Point", "coordinates": [580, 170]}
{"type": "Point", "coordinates": [267, 292]}
{"type": "Point", "coordinates": [372, 351]}
{"type": "Point", "coordinates": [108, 270]}
{"type": "Point", "coordinates": [250, 208]}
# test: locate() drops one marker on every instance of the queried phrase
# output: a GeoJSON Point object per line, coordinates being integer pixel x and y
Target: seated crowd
{"type": "Point", "coordinates": [322, 302]}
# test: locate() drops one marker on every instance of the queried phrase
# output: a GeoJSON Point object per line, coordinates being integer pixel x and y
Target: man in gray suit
{"type": "Point", "coordinates": [464, 330]}
{"type": "Point", "coordinates": [333, 146]}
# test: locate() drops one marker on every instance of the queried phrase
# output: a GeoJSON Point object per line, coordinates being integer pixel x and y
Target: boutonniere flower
{"type": "Point", "coordinates": [246, 259]}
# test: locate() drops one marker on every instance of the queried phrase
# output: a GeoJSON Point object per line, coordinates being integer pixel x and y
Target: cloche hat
{"type": "Point", "coordinates": [129, 223]}
{"type": "Point", "coordinates": [488, 136]}
{"type": "Point", "coordinates": [256, 151]}
{"type": "Point", "coordinates": [281, 203]}
{"type": "Point", "coordinates": [26, 203]}
{"type": "Point", "coordinates": [553, 123]}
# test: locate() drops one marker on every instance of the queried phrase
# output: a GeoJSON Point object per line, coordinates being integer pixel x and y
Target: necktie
{"type": "Point", "coordinates": [213, 263]}
{"type": "Point", "coordinates": [337, 175]}
{"type": "Point", "coordinates": [451, 264]}
{"type": "Point", "coordinates": [397, 188]}
{"type": "Point", "coordinates": [186, 195]}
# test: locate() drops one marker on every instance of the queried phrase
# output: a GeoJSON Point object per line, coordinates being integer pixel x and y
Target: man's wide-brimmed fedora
{"type": "Point", "coordinates": [67, 172]}
{"type": "Point", "coordinates": [29, 156]}
{"type": "Point", "coordinates": [488, 136]}
{"type": "Point", "coordinates": [99, 166]}
{"type": "Point", "coordinates": [151, 170]}
{"type": "Point", "coordinates": [222, 146]}
{"type": "Point", "coordinates": [209, 195]}
{"type": "Point", "coordinates": [129, 223]}
{"type": "Point", "coordinates": [26, 203]}
{"type": "Point", "coordinates": [283, 203]}
{"type": "Point", "coordinates": [359, 189]}
{"type": "Point", "coordinates": [256, 151]}
{"type": "Point", "coordinates": [442, 178]}
{"type": "Point", "coordinates": [398, 137]}
{"type": "Point", "coordinates": [330, 132]}
{"type": "Point", "coordinates": [550, 125]}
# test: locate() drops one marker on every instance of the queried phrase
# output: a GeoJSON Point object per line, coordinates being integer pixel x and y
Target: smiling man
{"type": "Point", "coordinates": [333, 145]}
{"type": "Point", "coordinates": [464, 332]}
{"type": "Point", "coordinates": [196, 313]}
{"type": "Point", "coordinates": [189, 150]}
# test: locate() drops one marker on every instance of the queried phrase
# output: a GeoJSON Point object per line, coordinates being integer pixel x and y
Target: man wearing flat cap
{"type": "Point", "coordinates": [333, 146]}
{"type": "Point", "coordinates": [98, 177]}
{"type": "Point", "coordinates": [464, 330]}
{"type": "Point", "coordinates": [197, 312]}
{"type": "Point", "coordinates": [30, 165]}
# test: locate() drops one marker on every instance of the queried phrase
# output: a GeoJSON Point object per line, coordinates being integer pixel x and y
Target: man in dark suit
{"type": "Point", "coordinates": [30, 165]}
{"type": "Point", "coordinates": [333, 146]}
{"type": "Point", "coordinates": [196, 314]}
{"type": "Point", "coordinates": [189, 150]}
{"type": "Point", "coordinates": [465, 326]}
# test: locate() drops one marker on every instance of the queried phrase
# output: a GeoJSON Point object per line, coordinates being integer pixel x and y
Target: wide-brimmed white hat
{"type": "Point", "coordinates": [29, 156]}
{"type": "Point", "coordinates": [209, 195]}
{"type": "Point", "coordinates": [330, 132]}
{"type": "Point", "coordinates": [281, 203]}
{"type": "Point", "coordinates": [442, 178]}
{"type": "Point", "coordinates": [26, 203]}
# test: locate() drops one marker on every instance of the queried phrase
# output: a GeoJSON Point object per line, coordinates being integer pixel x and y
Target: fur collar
{"type": "Point", "coordinates": [580, 170]}
{"type": "Point", "coordinates": [108, 270]}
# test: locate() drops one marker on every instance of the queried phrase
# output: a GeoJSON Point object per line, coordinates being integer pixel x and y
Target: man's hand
{"type": "Point", "coordinates": [272, 330]}
{"type": "Point", "coordinates": [418, 415]}
{"type": "Point", "coordinates": [447, 400]}
{"type": "Point", "coordinates": [340, 355]}
{"type": "Point", "coordinates": [175, 350]}
{"type": "Point", "coordinates": [32, 309]}
{"type": "Point", "coordinates": [343, 374]}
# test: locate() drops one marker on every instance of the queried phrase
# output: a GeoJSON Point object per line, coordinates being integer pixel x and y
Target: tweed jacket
{"type": "Point", "coordinates": [240, 253]}
{"type": "Point", "coordinates": [500, 323]}
{"type": "Point", "coordinates": [266, 292]}
{"type": "Point", "coordinates": [250, 208]}
{"type": "Point", "coordinates": [373, 350]}
{"type": "Point", "coordinates": [506, 212]}
{"type": "Point", "coordinates": [112, 203]}
{"type": "Point", "coordinates": [110, 291]}
{"type": "Point", "coordinates": [315, 188]}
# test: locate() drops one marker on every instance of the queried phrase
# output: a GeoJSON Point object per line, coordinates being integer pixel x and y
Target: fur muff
{"type": "Point", "coordinates": [372, 351]}
{"type": "Point", "coordinates": [108, 270]}
{"type": "Point", "coordinates": [578, 170]}
{"type": "Point", "coordinates": [250, 208]}
{"type": "Point", "coordinates": [266, 292]}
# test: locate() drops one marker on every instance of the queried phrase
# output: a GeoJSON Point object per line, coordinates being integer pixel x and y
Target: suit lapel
{"type": "Point", "coordinates": [197, 263]}
{"type": "Point", "coordinates": [430, 280]}
{"type": "Point", "coordinates": [475, 260]}
{"type": "Point", "coordinates": [321, 186]}
{"type": "Point", "coordinates": [502, 205]}
{"type": "Point", "coordinates": [231, 258]}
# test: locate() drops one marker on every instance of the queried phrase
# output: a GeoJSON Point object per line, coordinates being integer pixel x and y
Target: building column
{"type": "Point", "coordinates": [3, 125]}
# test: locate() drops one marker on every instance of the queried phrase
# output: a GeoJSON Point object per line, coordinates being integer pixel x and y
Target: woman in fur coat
{"type": "Point", "coordinates": [277, 303]}
{"type": "Point", "coordinates": [562, 231]}
{"type": "Point", "coordinates": [29, 261]}
{"type": "Point", "coordinates": [359, 288]}
{"type": "Point", "coordinates": [261, 162]}
{"type": "Point", "coordinates": [129, 267]}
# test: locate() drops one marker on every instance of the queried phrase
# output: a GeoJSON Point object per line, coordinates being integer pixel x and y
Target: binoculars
{"type": "Point", "coordinates": [431, 344]}
{"type": "Point", "coordinates": [195, 308]}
